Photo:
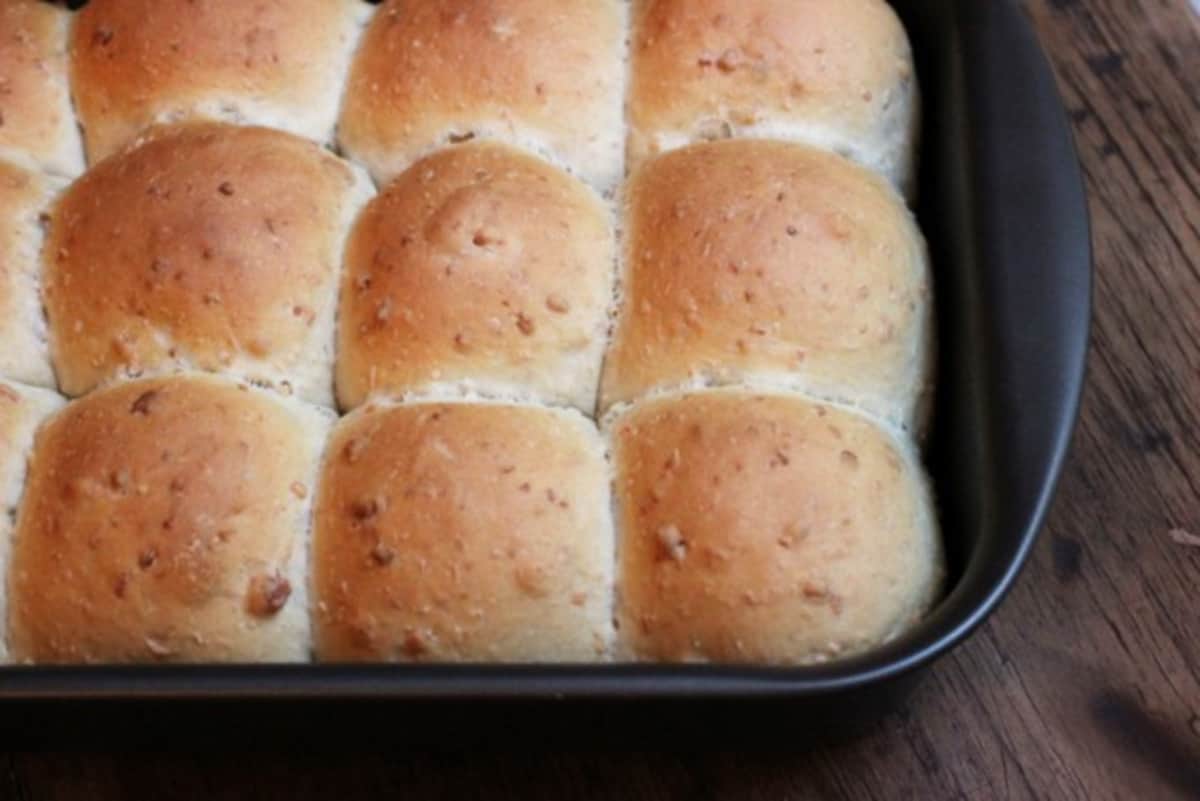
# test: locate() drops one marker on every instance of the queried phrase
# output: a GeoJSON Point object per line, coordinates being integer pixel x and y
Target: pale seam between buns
{"type": "Point", "coordinates": [385, 169]}
{"type": "Point", "coordinates": [77, 121]}
{"type": "Point", "coordinates": [363, 16]}
{"type": "Point", "coordinates": [72, 148]}
{"type": "Point", "coordinates": [753, 385]}
{"type": "Point", "coordinates": [38, 406]}
{"type": "Point", "coordinates": [67, 159]}
{"type": "Point", "coordinates": [301, 557]}
{"type": "Point", "coordinates": [354, 202]}
{"type": "Point", "coordinates": [615, 510]}
{"type": "Point", "coordinates": [37, 369]}
{"type": "Point", "coordinates": [620, 281]}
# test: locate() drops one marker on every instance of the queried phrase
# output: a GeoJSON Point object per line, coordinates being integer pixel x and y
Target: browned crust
{"type": "Point", "coordinates": [155, 512]}
{"type": "Point", "coordinates": [463, 532]}
{"type": "Point", "coordinates": [479, 264]}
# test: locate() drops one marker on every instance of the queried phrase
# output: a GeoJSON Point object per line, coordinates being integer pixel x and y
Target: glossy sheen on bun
{"type": "Point", "coordinates": [544, 74]}
{"type": "Point", "coordinates": [206, 246]}
{"type": "Point", "coordinates": [777, 263]}
{"type": "Point", "coordinates": [37, 124]}
{"type": "Point", "coordinates": [834, 73]}
{"type": "Point", "coordinates": [267, 62]}
{"type": "Point", "coordinates": [24, 197]}
{"type": "Point", "coordinates": [480, 267]}
{"type": "Point", "coordinates": [22, 409]}
{"type": "Point", "coordinates": [167, 520]}
{"type": "Point", "coordinates": [450, 532]}
{"type": "Point", "coordinates": [766, 529]}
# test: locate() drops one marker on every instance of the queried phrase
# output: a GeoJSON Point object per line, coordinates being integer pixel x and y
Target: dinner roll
{"type": "Point", "coordinates": [545, 74]}
{"type": "Point", "coordinates": [450, 532]}
{"type": "Point", "coordinates": [834, 73]}
{"type": "Point", "coordinates": [167, 520]}
{"type": "Point", "coordinates": [762, 261]}
{"type": "Point", "coordinates": [208, 246]}
{"type": "Point", "coordinates": [766, 529]}
{"type": "Point", "coordinates": [22, 409]}
{"type": "Point", "coordinates": [268, 62]}
{"type": "Point", "coordinates": [23, 198]}
{"type": "Point", "coordinates": [479, 267]}
{"type": "Point", "coordinates": [37, 125]}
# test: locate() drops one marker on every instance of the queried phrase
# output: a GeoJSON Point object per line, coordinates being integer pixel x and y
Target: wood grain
{"type": "Point", "coordinates": [1086, 685]}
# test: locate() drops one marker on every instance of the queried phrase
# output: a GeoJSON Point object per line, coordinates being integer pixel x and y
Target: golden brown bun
{"type": "Point", "coordinates": [205, 246]}
{"type": "Point", "coordinates": [450, 532]}
{"type": "Point", "coordinates": [544, 74]}
{"type": "Point", "coordinates": [24, 196]}
{"type": "Point", "coordinates": [37, 125]}
{"type": "Point", "coordinates": [269, 62]}
{"type": "Point", "coordinates": [22, 410]}
{"type": "Point", "coordinates": [834, 73]}
{"type": "Point", "coordinates": [766, 529]}
{"type": "Point", "coordinates": [166, 520]}
{"type": "Point", "coordinates": [480, 267]}
{"type": "Point", "coordinates": [774, 263]}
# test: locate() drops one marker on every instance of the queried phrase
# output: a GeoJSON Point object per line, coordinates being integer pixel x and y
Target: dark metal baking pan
{"type": "Point", "coordinates": [1002, 205]}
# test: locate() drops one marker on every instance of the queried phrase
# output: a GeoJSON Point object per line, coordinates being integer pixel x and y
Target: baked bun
{"type": "Point", "coordinates": [37, 125]}
{"type": "Point", "coordinates": [766, 529]}
{"type": "Point", "coordinates": [479, 267]}
{"type": "Point", "coordinates": [167, 520]}
{"type": "Point", "coordinates": [772, 263]}
{"type": "Point", "coordinates": [268, 62]}
{"type": "Point", "coordinates": [22, 409]}
{"type": "Point", "coordinates": [24, 196]}
{"type": "Point", "coordinates": [544, 74]}
{"type": "Point", "coordinates": [834, 73]}
{"type": "Point", "coordinates": [452, 532]}
{"type": "Point", "coordinates": [206, 246]}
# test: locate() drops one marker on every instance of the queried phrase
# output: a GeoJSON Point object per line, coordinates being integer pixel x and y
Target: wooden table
{"type": "Point", "coordinates": [1086, 684]}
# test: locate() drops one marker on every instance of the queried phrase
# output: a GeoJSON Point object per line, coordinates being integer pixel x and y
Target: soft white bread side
{"type": "Point", "coordinates": [278, 63]}
{"type": "Point", "coordinates": [204, 246]}
{"type": "Point", "coordinates": [37, 123]}
{"type": "Point", "coordinates": [778, 263]}
{"type": "Point", "coordinates": [547, 75]}
{"type": "Point", "coordinates": [452, 532]}
{"type": "Point", "coordinates": [24, 198]}
{"type": "Point", "coordinates": [22, 410]}
{"type": "Point", "coordinates": [479, 267]}
{"type": "Point", "coordinates": [833, 73]}
{"type": "Point", "coordinates": [766, 529]}
{"type": "Point", "coordinates": [167, 519]}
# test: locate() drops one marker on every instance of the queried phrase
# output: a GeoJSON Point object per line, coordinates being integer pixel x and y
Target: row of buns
{"type": "Point", "coordinates": [673, 416]}
{"type": "Point", "coordinates": [574, 81]}
{"type": "Point", "coordinates": [168, 519]}
{"type": "Point", "coordinates": [222, 248]}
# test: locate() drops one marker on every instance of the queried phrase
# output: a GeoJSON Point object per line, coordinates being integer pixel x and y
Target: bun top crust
{"type": "Point", "coordinates": [764, 260]}
{"type": "Point", "coordinates": [766, 529]}
{"type": "Point", "coordinates": [544, 74]}
{"type": "Point", "coordinates": [463, 532]}
{"type": "Point", "coordinates": [837, 73]}
{"type": "Point", "coordinates": [206, 245]}
{"type": "Point", "coordinates": [479, 265]}
{"type": "Point", "coordinates": [164, 520]}
{"type": "Point", "coordinates": [268, 62]}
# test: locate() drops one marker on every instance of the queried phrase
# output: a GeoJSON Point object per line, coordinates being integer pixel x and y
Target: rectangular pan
{"type": "Point", "coordinates": [1003, 207]}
